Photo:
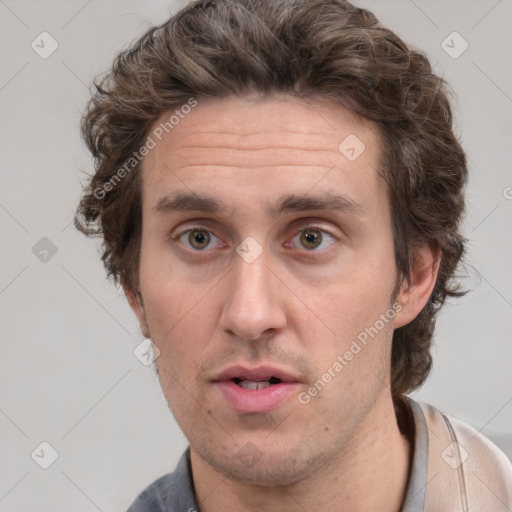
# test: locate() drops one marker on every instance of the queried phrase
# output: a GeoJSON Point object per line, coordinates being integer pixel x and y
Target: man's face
{"type": "Point", "coordinates": [214, 304]}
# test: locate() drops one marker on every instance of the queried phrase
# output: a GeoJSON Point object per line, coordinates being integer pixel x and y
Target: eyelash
{"type": "Point", "coordinates": [308, 227]}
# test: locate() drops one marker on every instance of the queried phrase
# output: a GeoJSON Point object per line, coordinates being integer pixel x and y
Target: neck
{"type": "Point", "coordinates": [371, 473]}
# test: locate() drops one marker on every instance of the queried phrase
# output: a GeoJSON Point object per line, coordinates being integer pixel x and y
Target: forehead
{"type": "Point", "coordinates": [263, 147]}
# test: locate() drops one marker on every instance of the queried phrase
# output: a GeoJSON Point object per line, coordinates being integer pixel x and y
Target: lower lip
{"type": "Point", "coordinates": [256, 400]}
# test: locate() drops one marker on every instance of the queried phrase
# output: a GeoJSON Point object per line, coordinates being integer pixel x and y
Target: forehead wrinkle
{"type": "Point", "coordinates": [270, 140]}
{"type": "Point", "coordinates": [252, 148]}
{"type": "Point", "coordinates": [252, 133]}
{"type": "Point", "coordinates": [253, 158]}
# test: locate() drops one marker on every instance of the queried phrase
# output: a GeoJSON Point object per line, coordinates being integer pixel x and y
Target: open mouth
{"type": "Point", "coordinates": [256, 390]}
{"type": "Point", "coordinates": [256, 384]}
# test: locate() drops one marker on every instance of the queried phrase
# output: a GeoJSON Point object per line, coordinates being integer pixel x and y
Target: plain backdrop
{"type": "Point", "coordinates": [69, 376]}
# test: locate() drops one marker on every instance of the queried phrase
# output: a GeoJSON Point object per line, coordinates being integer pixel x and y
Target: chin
{"type": "Point", "coordinates": [267, 468]}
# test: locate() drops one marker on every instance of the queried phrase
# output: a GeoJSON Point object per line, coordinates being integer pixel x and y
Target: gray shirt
{"type": "Point", "coordinates": [174, 492]}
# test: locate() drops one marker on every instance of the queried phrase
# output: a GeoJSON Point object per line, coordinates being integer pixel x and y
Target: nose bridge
{"type": "Point", "coordinates": [252, 306]}
{"type": "Point", "coordinates": [251, 279]}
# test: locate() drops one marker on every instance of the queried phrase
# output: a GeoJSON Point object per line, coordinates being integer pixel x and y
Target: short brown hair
{"type": "Point", "coordinates": [304, 48]}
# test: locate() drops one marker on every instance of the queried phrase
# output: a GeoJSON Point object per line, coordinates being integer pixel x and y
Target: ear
{"type": "Point", "coordinates": [135, 301]}
{"type": "Point", "coordinates": [414, 294]}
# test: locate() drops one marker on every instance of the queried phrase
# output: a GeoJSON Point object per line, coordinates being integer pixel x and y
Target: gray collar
{"type": "Point", "coordinates": [414, 500]}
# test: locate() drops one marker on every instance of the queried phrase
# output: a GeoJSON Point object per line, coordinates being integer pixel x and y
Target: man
{"type": "Point", "coordinates": [279, 191]}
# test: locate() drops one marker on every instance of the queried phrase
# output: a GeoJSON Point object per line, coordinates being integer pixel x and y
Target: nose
{"type": "Point", "coordinates": [253, 309]}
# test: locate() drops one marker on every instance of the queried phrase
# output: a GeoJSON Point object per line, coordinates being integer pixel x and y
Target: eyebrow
{"type": "Point", "coordinates": [184, 202]}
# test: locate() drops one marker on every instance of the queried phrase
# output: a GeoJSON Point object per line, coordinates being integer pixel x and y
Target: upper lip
{"type": "Point", "coordinates": [255, 373]}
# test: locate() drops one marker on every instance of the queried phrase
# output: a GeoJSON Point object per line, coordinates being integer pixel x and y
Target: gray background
{"type": "Point", "coordinates": [69, 375]}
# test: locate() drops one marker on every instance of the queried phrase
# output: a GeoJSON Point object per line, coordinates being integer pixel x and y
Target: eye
{"type": "Point", "coordinates": [314, 239]}
{"type": "Point", "coordinates": [198, 239]}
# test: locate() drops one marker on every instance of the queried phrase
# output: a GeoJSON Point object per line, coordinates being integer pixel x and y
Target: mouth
{"type": "Point", "coordinates": [263, 374]}
{"type": "Point", "coordinates": [255, 390]}
{"type": "Point", "coordinates": [256, 384]}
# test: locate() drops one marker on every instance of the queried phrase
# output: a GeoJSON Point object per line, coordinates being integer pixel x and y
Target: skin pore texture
{"type": "Point", "coordinates": [298, 306]}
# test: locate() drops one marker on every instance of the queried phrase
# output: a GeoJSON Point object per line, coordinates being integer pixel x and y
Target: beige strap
{"type": "Point", "coordinates": [466, 472]}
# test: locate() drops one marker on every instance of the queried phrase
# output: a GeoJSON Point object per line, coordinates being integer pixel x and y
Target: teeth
{"type": "Point", "coordinates": [250, 384]}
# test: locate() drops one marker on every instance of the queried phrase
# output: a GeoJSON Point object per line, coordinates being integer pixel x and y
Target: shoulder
{"type": "Point", "coordinates": [173, 492]}
{"type": "Point", "coordinates": [464, 463]}
{"type": "Point", "coordinates": [153, 498]}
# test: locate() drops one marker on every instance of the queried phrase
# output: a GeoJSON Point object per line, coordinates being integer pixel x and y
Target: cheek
{"type": "Point", "coordinates": [166, 308]}
{"type": "Point", "coordinates": [357, 294]}
{"type": "Point", "coordinates": [175, 320]}
{"type": "Point", "coordinates": [170, 294]}
{"type": "Point", "coordinates": [350, 308]}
